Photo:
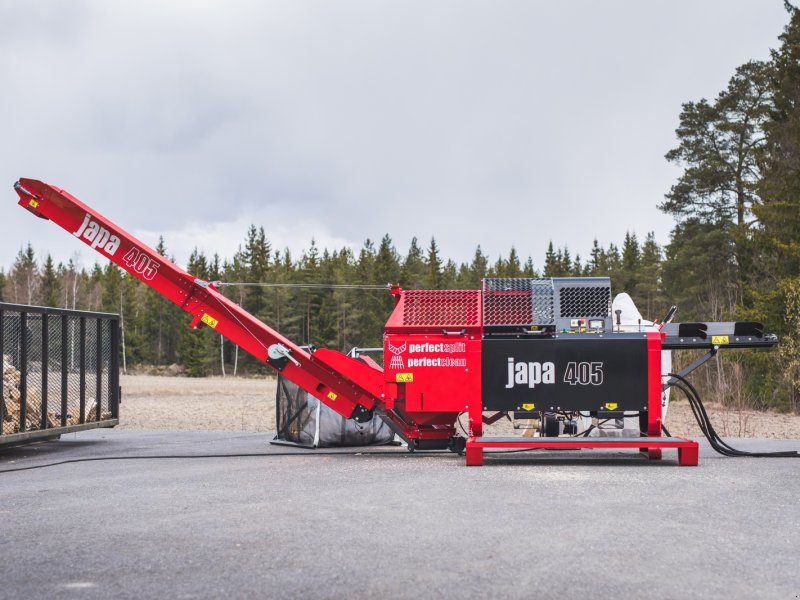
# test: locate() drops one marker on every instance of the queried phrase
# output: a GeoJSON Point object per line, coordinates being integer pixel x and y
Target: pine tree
{"type": "Point", "coordinates": [719, 144]}
{"type": "Point", "coordinates": [255, 266]}
{"type": "Point", "coordinates": [598, 263]}
{"type": "Point", "coordinates": [414, 267]}
{"type": "Point", "coordinates": [111, 285]}
{"type": "Point", "coordinates": [704, 290]}
{"type": "Point", "coordinates": [50, 284]}
{"type": "Point", "coordinates": [513, 268]}
{"type": "Point", "coordinates": [551, 262]}
{"type": "Point", "coordinates": [779, 236]}
{"type": "Point", "coordinates": [477, 270]}
{"type": "Point", "coordinates": [433, 277]}
{"type": "Point", "coordinates": [630, 263]}
{"type": "Point", "coordinates": [647, 292]}
{"type": "Point", "coordinates": [529, 270]}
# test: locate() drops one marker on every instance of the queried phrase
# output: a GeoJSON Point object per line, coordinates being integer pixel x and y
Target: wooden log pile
{"type": "Point", "coordinates": [12, 401]}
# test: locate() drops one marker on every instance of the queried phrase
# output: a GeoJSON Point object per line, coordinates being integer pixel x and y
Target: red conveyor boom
{"type": "Point", "coordinates": [348, 386]}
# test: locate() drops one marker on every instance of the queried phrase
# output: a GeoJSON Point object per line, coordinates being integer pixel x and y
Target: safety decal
{"type": "Point", "coordinates": [209, 320]}
{"type": "Point", "coordinates": [33, 203]}
{"type": "Point", "coordinates": [719, 339]}
{"type": "Point", "coordinates": [404, 377]}
{"type": "Point", "coordinates": [611, 405]}
{"type": "Point", "coordinates": [331, 396]}
{"type": "Point", "coordinates": [528, 406]}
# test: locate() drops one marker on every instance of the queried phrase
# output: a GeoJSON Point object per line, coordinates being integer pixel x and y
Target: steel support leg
{"type": "Point", "coordinates": [474, 456]}
{"type": "Point", "coordinates": [687, 457]}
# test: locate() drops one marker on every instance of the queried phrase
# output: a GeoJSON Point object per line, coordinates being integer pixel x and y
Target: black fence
{"type": "Point", "coordinates": [60, 371]}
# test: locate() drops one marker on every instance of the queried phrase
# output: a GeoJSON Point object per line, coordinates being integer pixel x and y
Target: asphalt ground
{"type": "Point", "coordinates": [388, 524]}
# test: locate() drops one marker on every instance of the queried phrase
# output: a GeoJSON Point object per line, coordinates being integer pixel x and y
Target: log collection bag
{"type": "Point", "coordinates": [303, 420]}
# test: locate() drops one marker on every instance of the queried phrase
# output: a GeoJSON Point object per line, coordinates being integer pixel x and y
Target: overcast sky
{"type": "Point", "coordinates": [496, 123]}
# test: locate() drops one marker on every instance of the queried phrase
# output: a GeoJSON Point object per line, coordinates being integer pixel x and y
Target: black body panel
{"type": "Point", "coordinates": [585, 372]}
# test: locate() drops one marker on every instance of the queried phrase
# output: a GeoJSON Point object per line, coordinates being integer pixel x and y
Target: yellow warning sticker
{"type": "Point", "coordinates": [331, 396]}
{"type": "Point", "coordinates": [404, 377]}
{"type": "Point", "coordinates": [33, 203]}
{"type": "Point", "coordinates": [611, 405]}
{"type": "Point", "coordinates": [528, 406]}
{"type": "Point", "coordinates": [209, 320]}
{"type": "Point", "coordinates": [719, 339]}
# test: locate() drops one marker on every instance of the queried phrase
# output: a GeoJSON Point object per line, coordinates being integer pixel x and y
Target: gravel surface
{"type": "Point", "coordinates": [240, 404]}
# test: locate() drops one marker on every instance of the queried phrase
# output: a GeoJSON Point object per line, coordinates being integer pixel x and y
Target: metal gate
{"type": "Point", "coordinates": [60, 372]}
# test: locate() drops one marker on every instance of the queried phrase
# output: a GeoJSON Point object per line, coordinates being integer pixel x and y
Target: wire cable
{"type": "Point", "coordinates": [184, 456]}
{"type": "Point", "coordinates": [323, 286]}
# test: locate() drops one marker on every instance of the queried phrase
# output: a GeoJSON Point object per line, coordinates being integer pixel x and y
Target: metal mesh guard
{"type": "Point", "coordinates": [441, 308]}
{"type": "Point", "coordinates": [517, 301]}
{"type": "Point", "coordinates": [586, 301]}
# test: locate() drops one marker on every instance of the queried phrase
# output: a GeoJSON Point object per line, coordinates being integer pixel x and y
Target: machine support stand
{"type": "Point", "coordinates": [474, 456]}
{"type": "Point", "coordinates": [688, 455]}
{"type": "Point", "coordinates": [655, 453]}
{"type": "Point", "coordinates": [652, 446]}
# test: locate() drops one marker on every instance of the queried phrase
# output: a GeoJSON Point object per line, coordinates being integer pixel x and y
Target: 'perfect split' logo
{"type": "Point", "coordinates": [397, 361]}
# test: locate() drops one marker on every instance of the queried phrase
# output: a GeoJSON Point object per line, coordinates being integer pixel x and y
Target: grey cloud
{"type": "Point", "coordinates": [492, 123]}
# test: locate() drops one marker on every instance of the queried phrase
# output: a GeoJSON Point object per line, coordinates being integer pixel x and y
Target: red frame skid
{"type": "Point", "coordinates": [687, 449]}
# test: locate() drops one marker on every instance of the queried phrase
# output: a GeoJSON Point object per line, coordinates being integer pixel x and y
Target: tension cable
{"type": "Point", "coordinates": [327, 286]}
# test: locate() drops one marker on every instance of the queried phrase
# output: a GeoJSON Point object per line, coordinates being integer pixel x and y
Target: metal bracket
{"type": "Point", "coordinates": [696, 364]}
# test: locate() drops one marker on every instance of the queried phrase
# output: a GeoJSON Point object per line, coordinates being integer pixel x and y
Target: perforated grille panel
{"type": "Point", "coordinates": [587, 301]}
{"type": "Point", "coordinates": [542, 298]}
{"type": "Point", "coordinates": [543, 302]}
{"type": "Point", "coordinates": [441, 308]}
{"type": "Point", "coordinates": [517, 301]}
{"type": "Point", "coordinates": [507, 301]}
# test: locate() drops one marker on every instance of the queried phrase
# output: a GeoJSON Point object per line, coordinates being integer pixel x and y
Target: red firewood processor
{"type": "Point", "coordinates": [548, 351]}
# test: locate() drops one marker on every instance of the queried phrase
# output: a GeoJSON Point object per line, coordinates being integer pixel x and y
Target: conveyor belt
{"type": "Point", "coordinates": [725, 334]}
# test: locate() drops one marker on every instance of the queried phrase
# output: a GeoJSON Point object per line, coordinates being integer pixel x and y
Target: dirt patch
{"type": "Point", "coordinates": [242, 404]}
{"type": "Point", "coordinates": [213, 403]}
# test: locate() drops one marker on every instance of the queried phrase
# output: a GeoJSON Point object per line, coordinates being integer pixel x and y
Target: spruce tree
{"type": "Point", "coordinates": [50, 284]}
{"type": "Point", "coordinates": [433, 276]}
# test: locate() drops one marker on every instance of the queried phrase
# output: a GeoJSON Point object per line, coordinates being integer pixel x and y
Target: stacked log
{"type": "Point", "coordinates": [12, 400]}
{"type": "Point", "coordinates": [12, 406]}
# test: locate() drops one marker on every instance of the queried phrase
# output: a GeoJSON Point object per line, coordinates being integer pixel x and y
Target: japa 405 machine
{"type": "Point", "coordinates": [543, 350]}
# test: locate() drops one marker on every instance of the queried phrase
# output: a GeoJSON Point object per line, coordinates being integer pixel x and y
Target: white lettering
{"type": "Point", "coordinates": [548, 373]}
{"type": "Point", "coordinates": [521, 376]}
{"type": "Point", "coordinates": [530, 373]}
{"type": "Point", "coordinates": [91, 231]}
{"type": "Point", "coordinates": [98, 237]}
{"type": "Point", "coordinates": [112, 246]}
{"type": "Point", "coordinates": [441, 348]}
{"type": "Point", "coordinates": [82, 227]}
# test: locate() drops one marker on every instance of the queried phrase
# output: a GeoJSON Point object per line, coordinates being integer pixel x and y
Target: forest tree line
{"type": "Point", "coordinates": [733, 254]}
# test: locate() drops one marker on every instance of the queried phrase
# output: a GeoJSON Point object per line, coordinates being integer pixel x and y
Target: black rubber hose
{"type": "Point", "coordinates": [704, 422]}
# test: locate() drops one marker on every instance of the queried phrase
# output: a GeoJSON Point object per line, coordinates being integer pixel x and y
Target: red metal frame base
{"type": "Point", "coordinates": [687, 449]}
